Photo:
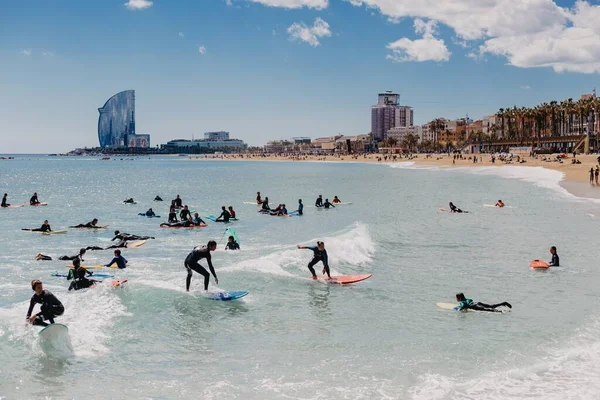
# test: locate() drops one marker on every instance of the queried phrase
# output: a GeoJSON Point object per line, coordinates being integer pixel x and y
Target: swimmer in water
{"type": "Point", "coordinates": [468, 304]}
{"type": "Point", "coordinates": [336, 200]}
{"type": "Point", "coordinates": [500, 204]}
{"type": "Point", "coordinates": [232, 244]}
{"type": "Point", "coordinates": [319, 201]}
{"type": "Point", "coordinates": [327, 204]}
{"type": "Point", "coordinates": [555, 262]}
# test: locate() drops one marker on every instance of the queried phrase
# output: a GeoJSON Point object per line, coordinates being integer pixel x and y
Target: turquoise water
{"type": "Point", "coordinates": [292, 337]}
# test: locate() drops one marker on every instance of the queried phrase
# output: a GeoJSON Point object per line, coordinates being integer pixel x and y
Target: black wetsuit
{"type": "Point", "coordinates": [150, 214]}
{"type": "Point", "coordinates": [51, 307]}
{"type": "Point", "coordinates": [555, 261]}
{"type": "Point", "coordinates": [127, 236]}
{"type": "Point", "coordinates": [224, 217]}
{"type": "Point", "coordinates": [328, 204]}
{"type": "Point", "coordinates": [453, 208]}
{"type": "Point", "coordinates": [317, 257]}
{"type": "Point", "coordinates": [182, 224]}
{"type": "Point", "coordinates": [120, 244]}
{"type": "Point", "coordinates": [232, 246]}
{"type": "Point", "coordinates": [68, 258]}
{"type": "Point", "coordinates": [191, 264]}
{"type": "Point", "coordinates": [468, 304]}
{"type": "Point", "coordinates": [177, 203]}
{"type": "Point", "coordinates": [43, 228]}
{"type": "Point", "coordinates": [4, 203]}
{"type": "Point", "coordinates": [198, 221]}
{"type": "Point", "coordinates": [88, 225]}
{"type": "Point", "coordinates": [265, 206]}
{"type": "Point", "coordinates": [184, 214]}
{"type": "Point", "coordinates": [157, 198]}
{"type": "Point", "coordinates": [120, 261]}
{"type": "Point", "coordinates": [300, 208]}
{"type": "Point", "coordinates": [172, 217]}
{"type": "Point", "coordinates": [79, 279]}
{"type": "Point", "coordinates": [130, 201]}
{"type": "Point", "coordinates": [34, 200]}
{"type": "Point", "coordinates": [319, 202]}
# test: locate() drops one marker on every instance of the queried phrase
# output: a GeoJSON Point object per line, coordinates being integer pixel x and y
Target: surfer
{"type": "Point", "coordinates": [468, 304]}
{"type": "Point", "coordinates": [90, 225]}
{"type": "Point", "coordinates": [191, 264]}
{"type": "Point", "coordinates": [44, 228]}
{"type": "Point", "coordinates": [320, 254]}
{"type": "Point", "coordinates": [4, 198]}
{"type": "Point", "coordinates": [336, 200]}
{"type": "Point", "coordinates": [127, 236]}
{"type": "Point", "coordinates": [454, 209]}
{"type": "Point", "coordinates": [119, 260]}
{"type": "Point", "coordinates": [258, 198]}
{"type": "Point", "coordinates": [185, 213]}
{"type": "Point", "coordinates": [319, 201]}
{"type": "Point", "coordinates": [231, 212]}
{"type": "Point", "coordinates": [78, 274]}
{"type": "Point", "coordinates": [150, 213]}
{"type": "Point", "coordinates": [177, 202]}
{"type": "Point", "coordinates": [183, 224]}
{"type": "Point", "coordinates": [327, 204]}
{"type": "Point", "coordinates": [500, 204]}
{"type": "Point", "coordinates": [197, 220]}
{"type": "Point", "coordinates": [224, 217]}
{"type": "Point", "coordinates": [232, 244]}
{"type": "Point", "coordinates": [265, 206]}
{"type": "Point", "coordinates": [51, 306]}
{"type": "Point", "coordinates": [34, 200]}
{"type": "Point", "coordinates": [172, 215]}
{"type": "Point", "coordinates": [157, 198]}
{"type": "Point", "coordinates": [300, 210]}
{"type": "Point", "coordinates": [555, 262]}
{"type": "Point", "coordinates": [80, 255]}
{"type": "Point", "coordinates": [129, 201]}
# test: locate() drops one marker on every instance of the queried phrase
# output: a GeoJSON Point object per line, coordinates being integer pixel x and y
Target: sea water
{"type": "Point", "coordinates": [292, 337]}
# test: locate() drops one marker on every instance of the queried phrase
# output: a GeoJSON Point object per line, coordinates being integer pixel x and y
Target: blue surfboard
{"type": "Point", "coordinates": [148, 216]}
{"type": "Point", "coordinates": [226, 296]}
{"type": "Point", "coordinates": [61, 275]}
{"type": "Point", "coordinates": [212, 218]}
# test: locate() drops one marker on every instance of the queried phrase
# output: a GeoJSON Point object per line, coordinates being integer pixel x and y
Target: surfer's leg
{"type": "Point", "coordinates": [483, 307]}
{"type": "Point", "coordinates": [505, 304]}
{"type": "Point", "coordinates": [188, 280]}
{"type": "Point", "coordinates": [311, 264]}
{"type": "Point", "coordinates": [39, 321]}
{"type": "Point", "coordinates": [206, 275]}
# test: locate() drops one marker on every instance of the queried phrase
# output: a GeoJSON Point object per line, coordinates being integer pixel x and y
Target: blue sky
{"type": "Point", "coordinates": [273, 69]}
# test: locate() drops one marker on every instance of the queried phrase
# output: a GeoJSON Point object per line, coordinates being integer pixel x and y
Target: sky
{"type": "Point", "coordinates": [276, 69]}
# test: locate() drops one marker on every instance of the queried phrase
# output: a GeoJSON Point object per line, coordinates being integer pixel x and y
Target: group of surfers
{"type": "Point", "coordinates": [455, 209]}
{"type": "Point", "coordinates": [33, 201]}
{"type": "Point", "coordinates": [281, 209]}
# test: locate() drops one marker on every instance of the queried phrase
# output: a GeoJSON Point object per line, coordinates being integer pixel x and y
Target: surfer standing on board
{"type": "Point", "coordinates": [51, 306]}
{"type": "Point", "coordinates": [320, 254]}
{"type": "Point", "coordinates": [468, 304]}
{"type": "Point", "coordinates": [191, 264]}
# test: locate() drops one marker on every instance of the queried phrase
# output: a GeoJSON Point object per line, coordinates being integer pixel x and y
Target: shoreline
{"type": "Point", "coordinates": [575, 177]}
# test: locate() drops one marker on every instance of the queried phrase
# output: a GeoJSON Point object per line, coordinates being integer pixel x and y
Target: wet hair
{"type": "Point", "coordinates": [118, 252]}
{"type": "Point", "coordinates": [117, 232]}
{"type": "Point", "coordinates": [230, 238]}
{"type": "Point", "coordinates": [320, 243]}
{"type": "Point", "coordinates": [460, 296]}
{"type": "Point", "coordinates": [299, 200]}
{"type": "Point", "coordinates": [230, 207]}
{"type": "Point", "coordinates": [222, 207]}
{"type": "Point", "coordinates": [553, 248]}
{"type": "Point", "coordinates": [34, 283]}
{"type": "Point", "coordinates": [82, 251]}
{"type": "Point", "coordinates": [95, 219]}
{"type": "Point", "coordinates": [77, 262]}
{"type": "Point", "coordinates": [212, 243]}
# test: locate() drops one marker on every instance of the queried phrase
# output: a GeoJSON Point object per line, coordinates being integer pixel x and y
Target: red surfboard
{"type": "Point", "coordinates": [345, 279]}
{"type": "Point", "coordinates": [539, 264]}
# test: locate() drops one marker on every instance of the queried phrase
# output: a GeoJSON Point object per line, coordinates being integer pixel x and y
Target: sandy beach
{"type": "Point", "coordinates": [576, 177]}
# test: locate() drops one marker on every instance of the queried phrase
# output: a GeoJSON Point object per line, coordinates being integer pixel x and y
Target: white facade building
{"type": "Point", "coordinates": [401, 132]}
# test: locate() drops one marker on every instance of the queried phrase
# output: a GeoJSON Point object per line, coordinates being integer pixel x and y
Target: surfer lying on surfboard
{"type": "Point", "coordinates": [43, 257]}
{"type": "Point", "coordinates": [126, 236]}
{"type": "Point", "coordinates": [455, 209]}
{"type": "Point", "coordinates": [320, 255]}
{"type": "Point", "coordinates": [468, 304]}
{"type": "Point", "coordinates": [191, 264]}
{"type": "Point", "coordinates": [51, 306]}
{"type": "Point", "coordinates": [44, 228]}
{"type": "Point", "coordinates": [90, 225]}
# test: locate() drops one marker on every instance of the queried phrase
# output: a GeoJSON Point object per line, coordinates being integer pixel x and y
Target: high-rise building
{"type": "Point", "coordinates": [388, 114]}
{"type": "Point", "coordinates": [117, 119]}
{"type": "Point", "coordinates": [221, 135]}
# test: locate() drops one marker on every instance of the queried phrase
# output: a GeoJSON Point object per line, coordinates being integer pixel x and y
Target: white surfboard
{"type": "Point", "coordinates": [55, 340]}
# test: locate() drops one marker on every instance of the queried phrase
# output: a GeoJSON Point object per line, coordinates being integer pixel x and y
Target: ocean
{"type": "Point", "coordinates": [291, 337]}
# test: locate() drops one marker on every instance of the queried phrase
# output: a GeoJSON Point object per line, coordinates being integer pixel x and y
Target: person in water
{"type": "Point", "coordinates": [44, 228]}
{"type": "Point", "coordinates": [300, 210]}
{"type": "Point", "coordinates": [182, 224]}
{"type": "Point", "coordinates": [150, 213]}
{"type": "Point", "coordinates": [336, 200]}
{"type": "Point", "coordinates": [172, 215]}
{"type": "Point", "coordinates": [119, 260]}
{"type": "Point", "coordinates": [34, 200]}
{"type": "Point", "coordinates": [126, 236]}
{"type": "Point", "coordinates": [500, 204]}
{"type": "Point", "coordinates": [177, 202]}
{"type": "Point", "coordinates": [90, 225]}
{"type": "Point", "coordinates": [197, 220]}
{"type": "Point", "coordinates": [232, 244]}
{"type": "Point", "coordinates": [78, 275]}
{"type": "Point", "coordinates": [185, 213]}
{"type": "Point", "coordinates": [468, 304]}
{"type": "Point", "coordinates": [191, 264]}
{"type": "Point", "coordinates": [319, 201]}
{"type": "Point", "coordinates": [70, 258]}
{"type": "Point", "coordinates": [157, 198]}
{"type": "Point", "coordinates": [231, 212]}
{"type": "Point", "coordinates": [320, 255]}
{"type": "Point", "coordinates": [327, 204]}
{"type": "Point", "coordinates": [51, 306]}
{"type": "Point", "coordinates": [454, 209]}
{"type": "Point", "coordinates": [258, 198]}
{"type": "Point", "coordinates": [265, 206]}
{"type": "Point", "coordinates": [224, 217]}
{"type": "Point", "coordinates": [4, 200]}
{"type": "Point", "coordinates": [129, 201]}
{"type": "Point", "coordinates": [555, 262]}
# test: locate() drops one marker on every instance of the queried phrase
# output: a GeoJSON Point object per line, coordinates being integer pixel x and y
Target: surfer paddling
{"type": "Point", "coordinates": [320, 255]}
{"type": "Point", "coordinates": [455, 209]}
{"type": "Point", "coordinates": [468, 304]}
{"type": "Point", "coordinates": [191, 264]}
{"type": "Point", "coordinates": [51, 306]}
{"type": "Point", "coordinates": [500, 204]}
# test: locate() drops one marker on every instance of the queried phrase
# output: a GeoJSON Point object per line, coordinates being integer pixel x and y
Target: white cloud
{"type": "Point", "coordinates": [181, 34]}
{"type": "Point", "coordinates": [26, 52]}
{"type": "Point", "coordinates": [47, 54]}
{"type": "Point", "coordinates": [317, 4]}
{"type": "Point", "coordinates": [528, 33]}
{"type": "Point", "coordinates": [138, 4]}
{"type": "Point", "coordinates": [202, 50]}
{"type": "Point", "coordinates": [309, 34]}
{"type": "Point", "coordinates": [428, 48]}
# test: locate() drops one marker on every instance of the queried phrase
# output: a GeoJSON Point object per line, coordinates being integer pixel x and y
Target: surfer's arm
{"type": "Point", "coordinates": [114, 260]}
{"type": "Point", "coordinates": [31, 305]}
{"type": "Point", "coordinates": [210, 266]}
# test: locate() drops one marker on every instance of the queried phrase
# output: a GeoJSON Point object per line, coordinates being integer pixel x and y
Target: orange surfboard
{"type": "Point", "coordinates": [539, 264]}
{"type": "Point", "coordinates": [345, 279]}
{"type": "Point", "coordinates": [118, 282]}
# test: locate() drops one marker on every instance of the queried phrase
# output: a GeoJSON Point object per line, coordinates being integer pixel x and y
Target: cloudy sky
{"type": "Point", "coordinates": [272, 69]}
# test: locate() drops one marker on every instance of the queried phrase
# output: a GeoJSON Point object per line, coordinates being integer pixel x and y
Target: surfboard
{"type": "Point", "coordinates": [448, 211]}
{"type": "Point", "coordinates": [53, 232]}
{"type": "Point", "coordinates": [137, 243]}
{"type": "Point", "coordinates": [231, 232]}
{"type": "Point", "coordinates": [15, 206]}
{"type": "Point", "coordinates": [185, 227]}
{"type": "Point", "coordinates": [55, 340]}
{"type": "Point", "coordinates": [343, 203]}
{"type": "Point", "coordinates": [38, 204]}
{"type": "Point", "coordinates": [538, 264]}
{"type": "Point", "coordinates": [214, 219]}
{"type": "Point", "coordinates": [447, 306]}
{"type": "Point", "coordinates": [95, 275]}
{"type": "Point", "coordinates": [119, 282]}
{"type": "Point", "coordinates": [344, 279]}
{"type": "Point", "coordinates": [226, 296]}
{"type": "Point", "coordinates": [253, 202]}
{"type": "Point", "coordinates": [148, 216]}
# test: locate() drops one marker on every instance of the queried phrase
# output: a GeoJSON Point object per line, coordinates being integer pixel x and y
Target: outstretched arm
{"type": "Point", "coordinates": [212, 269]}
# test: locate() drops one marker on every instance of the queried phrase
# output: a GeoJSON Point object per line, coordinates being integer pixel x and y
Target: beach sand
{"type": "Point", "coordinates": [575, 176]}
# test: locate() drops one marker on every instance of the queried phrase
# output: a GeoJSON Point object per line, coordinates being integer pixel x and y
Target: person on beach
{"type": "Point", "coordinates": [192, 264]}
{"type": "Point", "coordinates": [454, 209]}
{"type": "Point", "coordinates": [177, 202]}
{"type": "Point", "coordinates": [555, 262]}
{"type": "Point", "coordinates": [172, 215]}
{"type": "Point", "coordinates": [592, 175]}
{"type": "Point", "coordinates": [197, 220]}
{"type": "Point", "coordinates": [185, 213]}
{"type": "Point", "coordinates": [224, 217]}
{"type": "Point", "coordinates": [327, 204]}
{"type": "Point", "coordinates": [119, 260]}
{"type": "Point", "coordinates": [468, 304]}
{"type": "Point", "coordinates": [4, 200]}
{"type": "Point", "coordinates": [90, 225]}
{"type": "Point", "coordinates": [336, 200]}
{"type": "Point", "coordinates": [33, 201]}
{"type": "Point", "coordinates": [44, 228]}
{"type": "Point", "coordinates": [157, 198]}
{"type": "Point", "coordinates": [51, 306]}
{"type": "Point", "coordinates": [500, 204]}
{"type": "Point", "coordinates": [232, 244]}
{"type": "Point", "coordinates": [258, 198]}
{"type": "Point", "coordinates": [319, 255]}
{"type": "Point", "coordinates": [231, 212]}
{"type": "Point", "coordinates": [596, 173]}
{"type": "Point", "coordinates": [78, 275]}
{"type": "Point", "coordinates": [319, 201]}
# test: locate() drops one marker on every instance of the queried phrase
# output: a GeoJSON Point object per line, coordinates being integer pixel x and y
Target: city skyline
{"type": "Point", "coordinates": [287, 67]}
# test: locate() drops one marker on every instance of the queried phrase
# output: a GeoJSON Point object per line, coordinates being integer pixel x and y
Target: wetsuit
{"type": "Point", "coordinates": [182, 224]}
{"type": "Point", "coordinates": [328, 204]}
{"type": "Point", "coordinates": [191, 264]}
{"type": "Point", "coordinates": [468, 304]}
{"type": "Point", "coordinates": [173, 217]}
{"type": "Point", "coordinates": [177, 203]}
{"type": "Point", "coordinates": [120, 260]}
{"type": "Point", "coordinates": [88, 225]}
{"type": "Point", "coordinates": [300, 208]}
{"type": "Point", "coordinates": [284, 211]}
{"type": "Point", "coordinates": [453, 208]}
{"type": "Point", "coordinates": [127, 236]}
{"type": "Point", "coordinates": [51, 307]}
{"type": "Point", "coordinates": [4, 203]}
{"type": "Point", "coordinates": [129, 201]}
{"type": "Point", "coordinates": [43, 228]}
{"type": "Point", "coordinates": [224, 217]}
{"type": "Point", "coordinates": [157, 198]}
{"type": "Point", "coordinates": [265, 206]}
{"type": "Point", "coordinates": [319, 202]}
{"type": "Point", "coordinates": [34, 200]}
{"type": "Point", "coordinates": [79, 279]}
{"type": "Point", "coordinates": [184, 214]}
{"type": "Point", "coordinates": [555, 261]}
{"type": "Point", "coordinates": [120, 244]}
{"type": "Point", "coordinates": [70, 258]}
{"type": "Point", "coordinates": [232, 246]}
{"type": "Point", "coordinates": [150, 213]}
{"type": "Point", "coordinates": [318, 256]}
{"type": "Point", "coordinates": [198, 221]}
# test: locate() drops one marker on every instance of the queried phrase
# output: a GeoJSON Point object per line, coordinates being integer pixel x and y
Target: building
{"type": "Point", "coordinates": [401, 132]}
{"type": "Point", "coordinates": [138, 141]}
{"type": "Point", "coordinates": [204, 146]}
{"type": "Point", "coordinates": [388, 114]}
{"type": "Point", "coordinates": [325, 143]}
{"type": "Point", "coordinates": [216, 135]}
{"type": "Point", "coordinates": [117, 121]}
